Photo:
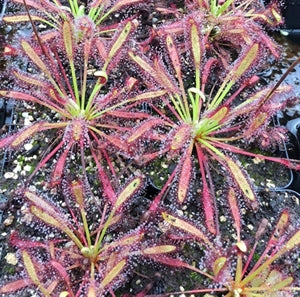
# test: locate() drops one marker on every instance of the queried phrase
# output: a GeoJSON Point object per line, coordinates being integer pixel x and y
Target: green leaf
{"type": "Point", "coordinates": [142, 63]}
{"type": "Point", "coordinates": [240, 68]}
{"type": "Point", "coordinates": [292, 242]}
{"type": "Point", "coordinates": [68, 42]}
{"type": "Point", "coordinates": [160, 249]}
{"type": "Point", "coordinates": [219, 263]}
{"type": "Point", "coordinates": [246, 62]}
{"type": "Point", "coordinates": [113, 273]}
{"type": "Point", "coordinates": [25, 134]}
{"type": "Point", "coordinates": [127, 193]}
{"type": "Point", "coordinates": [241, 181]}
{"type": "Point", "coordinates": [196, 50]}
{"type": "Point", "coordinates": [221, 9]}
{"type": "Point", "coordinates": [30, 52]}
{"type": "Point", "coordinates": [22, 18]}
{"type": "Point", "coordinates": [33, 274]}
{"type": "Point", "coordinates": [35, 57]}
{"type": "Point", "coordinates": [185, 226]}
{"type": "Point", "coordinates": [181, 137]}
{"type": "Point", "coordinates": [50, 215]}
{"type": "Point", "coordinates": [118, 43]}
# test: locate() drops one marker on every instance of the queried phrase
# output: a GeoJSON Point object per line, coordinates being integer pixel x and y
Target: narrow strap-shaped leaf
{"type": "Point", "coordinates": [186, 227]}
{"type": "Point", "coordinates": [257, 122]}
{"type": "Point", "coordinates": [29, 79]}
{"type": "Point", "coordinates": [50, 215]}
{"type": "Point", "coordinates": [173, 53]}
{"type": "Point", "coordinates": [142, 63]}
{"type": "Point", "coordinates": [62, 272]}
{"type": "Point", "coordinates": [222, 8]}
{"type": "Point", "coordinates": [196, 49]}
{"type": "Point", "coordinates": [128, 114]}
{"type": "Point", "coordinates": [128, 240]}
{"type": "Point", "coordinates": [185, 178]}
{"type": "Point", "coordinates": [143, 129]}
{"type": "Point", "coordinates": [127, 193]}
{"type": "Point", "coordinates": [15, 285]}
{"type": "Point", "coordinates": [159, 249]}
{"type": "Point", "coordinates": [235, 211]}
{"type": "Point", "coordinates": [218, 264]}
{"type": "Point", "coordinates": [18, 138]}
{"type": "Point", "coordinates": [219, 115]}
{"type": "Point", "coordinates": [35, 58]}
{"type": "Point", "coordinates": [275, 281]}
{"type": "Point", "coordinates": [118, 43]}
{"type": "Point", "coordinates": [15, 140]}
{"type": "Point", "coordinates": [290, 163]}
{"type": "Point", "coordinates": [293, 242]}
{"type": "Point", "coordinates": [181, 137]}
{"type": "Point", "coordinates": [60, 165]}
{"type": "Point", "coordinates": [234, 169]}
{"type": "Point", "coordinates": [33, 273]}
{"type": "Point", "coordinates": [105, 181]}
{"type": "Point", "coordinates": [39, 62]}
{"type": "Point", "coordinates": [115, 141]}
{"type": "Point", "coordinates": [141, 97]}
{"type": "Point", "coordinates": [119, 4]}
{"type": "Point", "coordinates": [245, 63]}
{"type": "Point", "coordinates": [78, 192]}
{"type": "Point", "coordinates": [162, 77]}
{"type": "Point", "coordinates": [32, 3]}
{"type": "Point", "coordinates": [91, 292]}
{"type": "Point", "coordinates": [29, 98]}
{"type": "Point", "coordinates": [21, 18]}
{"type": "Point", "coordinates": [25, 134]}
{"type": "Point", "coordinates": [241, 180]}
{"type": "Point", "coordinates": [240, 68]}
{"type": "Point", "coordinates": [280, 228]}
{"type": "Point", "coordinates": [207, 196]}
{"type": "Point", "coordinates": [113, 273]}
{"type": "Point", "coordinates": [56, 222]}
{"type": "Point", "coordinates": [68, 43]}
{"type": "Point", "coordinates": [102, 49]}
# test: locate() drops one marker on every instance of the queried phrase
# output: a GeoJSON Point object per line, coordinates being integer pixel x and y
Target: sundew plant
{"type": "Point", "coordinates": [81, 101]}
{"type": "Point", "coordinates": [203, 117]}
{"type": "Point", "coordinates": [233, 268]}
{"type": "Point", "coordinates": [123, 86]}
{"type": "Point", "coordinates": [52, 14]}
{"type": "Point", "coordinates": [229, 26]}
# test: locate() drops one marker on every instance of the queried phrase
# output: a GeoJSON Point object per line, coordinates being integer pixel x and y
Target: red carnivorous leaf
{"type": "Point", "coordinates": [15, 285]}
{"type": "Point", "coordinates": [184, 179]}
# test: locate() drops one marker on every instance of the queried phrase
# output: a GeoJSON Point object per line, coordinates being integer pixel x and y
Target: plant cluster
{"type": "Point", "coordinates": [121, 96]}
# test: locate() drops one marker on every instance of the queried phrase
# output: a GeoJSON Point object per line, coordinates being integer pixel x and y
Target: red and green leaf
{"type": "Point", "coordinates": [184, 178]}
{"type": "Point", "coordinates": [186, 227]}
{"type": "Point", "coordinates": [50, 215]}
{"type": "Point", "coordinates": [130, 189]}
